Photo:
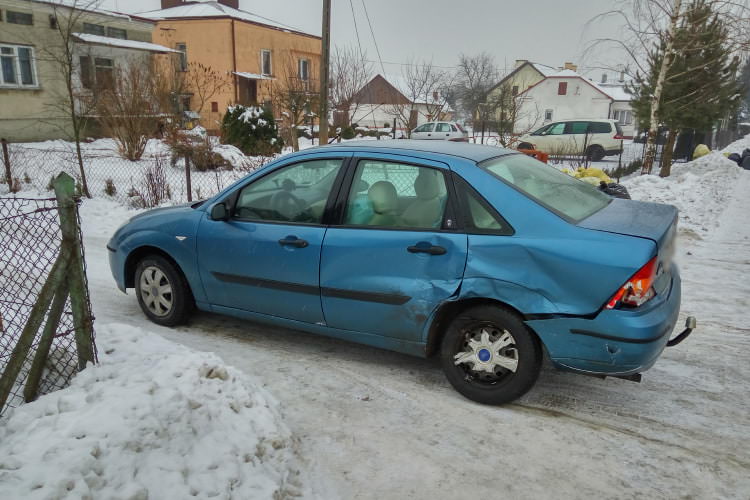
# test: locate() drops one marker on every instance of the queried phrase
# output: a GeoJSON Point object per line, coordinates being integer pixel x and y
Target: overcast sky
{"type": "Point", "coordinates": [545, 31]}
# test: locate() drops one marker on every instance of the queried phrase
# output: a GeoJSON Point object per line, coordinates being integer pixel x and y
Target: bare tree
{"type": "Point", "coordinates": [130, 108]}
{"type": "Point", "coordinates": [511, 115]}
{"type": "Point", "coordinates": [475, 77]}
{"type": "Point", "coordinates": [423, 85]}
{"type": "Point", "coordinates": [350, 71]}
{"type": "Point", "coordinates": [73, 103]}
{"type": "Point", "coordinates": [294, 97]}
{"type": "Point", "coordinates": [651, 23]}
{"type": "Point", "coordinates": [205, 82]}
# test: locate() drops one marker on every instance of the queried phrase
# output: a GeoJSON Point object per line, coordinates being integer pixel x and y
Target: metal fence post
{"type": "Point", "coordinates": [6, 160]}
{"type": "Point", "coordinates": [188, 183]}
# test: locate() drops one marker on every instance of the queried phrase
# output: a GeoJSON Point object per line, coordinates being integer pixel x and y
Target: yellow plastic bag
{"type": "Point", "coordinates": [700, 150]}
{"type": "Point", "coordinates": [593, 172]}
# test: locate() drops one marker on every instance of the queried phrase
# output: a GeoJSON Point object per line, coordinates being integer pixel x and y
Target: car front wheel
{"type": "Point", "coordinates": [489, 356]}
{"type": "Point", "coordinates": [163, 293]}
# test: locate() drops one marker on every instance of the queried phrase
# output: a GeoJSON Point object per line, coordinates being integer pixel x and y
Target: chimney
{"type": "Point", "coordinates": [519, 63]}
{"type": "Point", "coordinates": [604, 77]}
{"type": "Point", "coordinates": [571, 66]}
{"type": "Point", "coordinates": [167, 4]}
{"type": "Point", "coordinates": [235, 4]}
{"type": "Point", "coordinates": [622, 76]}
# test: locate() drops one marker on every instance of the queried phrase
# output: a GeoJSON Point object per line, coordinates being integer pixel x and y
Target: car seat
{"type": "Point", "coordinates": [384, 201]}
{"type": "Point", "coordinates": [427, 209]}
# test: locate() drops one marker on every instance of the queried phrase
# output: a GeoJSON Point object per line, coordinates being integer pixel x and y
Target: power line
{"type": "Point", "coordinates": [412, 64]}
{"type": "Point", "coordinates": [356, 30]}
{"type": "Point", "coordinates": [373, 36]}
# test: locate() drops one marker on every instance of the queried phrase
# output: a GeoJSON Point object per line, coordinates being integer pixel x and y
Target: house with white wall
{"type": "Point", "coordinates": [386, 98]}
{"type": "Point", "coordinates": [545, 94]}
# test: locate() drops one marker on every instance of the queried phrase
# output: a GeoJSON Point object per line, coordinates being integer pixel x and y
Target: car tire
{"type": "Point", "coordinates": [471, 378]}
{"type": "Point", "coordinates": [525, 145]}
{"type": "Point", "coordinates": [595, 153]}
{"type": "Point", "coordinates": [163, 293]}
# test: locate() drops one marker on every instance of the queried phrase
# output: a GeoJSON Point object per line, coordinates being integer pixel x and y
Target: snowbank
{"type": "Point", "coordinates": [153, 420]}
{"type": "Point", "coordinates": [700, 189]}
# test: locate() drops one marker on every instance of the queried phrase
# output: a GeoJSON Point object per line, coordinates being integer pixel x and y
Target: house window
{"type": "Point", "coordinates": [19, 18]}
{"type": "Point", "coordinates": [93, 29]}
{"type": "Point", "coordinates": [214, 107]}
{"type": "Point", "coordinates": [514, 90]}
{"type": "Point", "coordinates": [183, 61]}
{"type": "Point", "coordinates": [186, 103]}
{"type": "Point", "coordinates": [265, 62]}
{"type": "Point", "coordinates": [304, 69]}
{"type": "Point", "coordinates": [98, 73]}
{"type": "Point", "coordinates": [623, 116]}
{"type": "Point", "coordinates": [117, 33]}
{"type": "Point", "coordinates": [562, 88]}
{"type": "Point", "coordinates": [547, 114]}
{"type": "Point", "coordinates": [52, 22]}
{"type": "Point", "coordinates": [17, 66]}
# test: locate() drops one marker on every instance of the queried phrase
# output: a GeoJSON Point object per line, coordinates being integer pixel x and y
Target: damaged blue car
{"type": "Point", "coordinates": [482, 256]}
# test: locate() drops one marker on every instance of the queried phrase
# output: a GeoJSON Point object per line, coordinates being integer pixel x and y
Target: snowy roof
{"type": "Point", "coordinates": [252, 76]}
{"type": "Point", "coordinates": [615, 91]}
{"type": "Point", "coordinates": [564, 73]}
{"type": "Point", "coordinates": [544, 69]}
{"type": "Point", "coordinates": [215, 9]}
{"type": "Point", "coordinates": [90, 7]}
{"type": "Point", "coordinates": [402, 85]}
{"type": "Point", "coordinates": [118, 42]}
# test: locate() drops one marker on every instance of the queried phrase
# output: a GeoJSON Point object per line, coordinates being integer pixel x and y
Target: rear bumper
{"type": "Point", "coordinates": [615, 342]}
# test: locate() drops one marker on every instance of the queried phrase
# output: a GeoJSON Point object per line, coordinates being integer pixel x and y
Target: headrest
{"type": "Point", "coordinates": [383, 196]}
{"type": "Point", "coordinates": [426, 185]}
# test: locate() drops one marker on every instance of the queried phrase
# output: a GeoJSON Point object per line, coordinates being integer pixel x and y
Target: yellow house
{"type": "Point", "coordinates": [254, 55]}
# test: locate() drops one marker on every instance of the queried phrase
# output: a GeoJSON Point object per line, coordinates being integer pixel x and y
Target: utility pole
{"type": "Point", "coordinates": [324, 60]}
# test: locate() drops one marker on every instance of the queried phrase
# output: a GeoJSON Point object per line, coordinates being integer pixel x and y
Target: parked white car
{"type": "Point", "coordinates": [597, 138]}
{"type": "Point", "coordinates": [445, 131]}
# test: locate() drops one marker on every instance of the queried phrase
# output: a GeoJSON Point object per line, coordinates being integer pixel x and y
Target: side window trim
{"type": "Point", "coordinates": [233, 197]}
{"type": "Point", "coordinates": [464, 212]}
{"type": "Point", "coordinates": [450, 212]}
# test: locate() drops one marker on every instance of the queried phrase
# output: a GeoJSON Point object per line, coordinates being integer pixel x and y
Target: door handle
{"type": "Point", "coordinates": [293, 241]}
{"type": "Point", "coordinates": [424, 247]}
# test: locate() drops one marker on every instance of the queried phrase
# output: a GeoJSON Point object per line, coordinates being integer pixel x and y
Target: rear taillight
{"type": "Point", "coordinates": [637, 290]}
{"type": "Point", "coordinates": [618, 137]}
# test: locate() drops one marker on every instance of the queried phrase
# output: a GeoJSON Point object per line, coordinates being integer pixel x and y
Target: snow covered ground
{"type": "Point", "coordinates": [375, 424]}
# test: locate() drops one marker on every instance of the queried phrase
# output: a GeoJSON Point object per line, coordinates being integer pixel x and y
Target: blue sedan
{"type": "Point", "coordinates": [480, 255]}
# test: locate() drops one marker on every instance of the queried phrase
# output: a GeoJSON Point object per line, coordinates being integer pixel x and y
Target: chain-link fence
{"type": "Point", "coordinates": [158, 177]}
{"type": "Point", "coordinates": [45, 315]}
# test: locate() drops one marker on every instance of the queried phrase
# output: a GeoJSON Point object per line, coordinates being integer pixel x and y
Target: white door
{"type": "Point", "coordinates": [423, 131]}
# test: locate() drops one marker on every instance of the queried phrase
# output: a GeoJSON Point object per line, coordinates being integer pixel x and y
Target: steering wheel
{"type": "Point", "coordinates": [286, 204]}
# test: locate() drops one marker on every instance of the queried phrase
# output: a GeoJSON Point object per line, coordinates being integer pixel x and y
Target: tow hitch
{"type": "Point", "coordinates": [689, 327]}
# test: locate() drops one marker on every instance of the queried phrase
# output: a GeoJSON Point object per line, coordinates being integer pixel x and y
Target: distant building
{"type": "Point", "coordinates": [253, 53]}
{"type": "Point", "coordinates": [386, 98]}
{"type": "Point", "coordinates": [31, 84]}
{"type": "Point", "coordinates": [545, 94]}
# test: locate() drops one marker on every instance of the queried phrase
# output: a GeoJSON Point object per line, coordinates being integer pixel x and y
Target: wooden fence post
{"type": "Point", "coordinates": [188, 182]}
{"type": "Point", "coordinates": [6, 160]}
{"type": "Point", "coordinates": [26, 339]}
{"type": "Point", "coordinates": [31, 389]}
{"type": "Point", "coordinates": [82, 321]}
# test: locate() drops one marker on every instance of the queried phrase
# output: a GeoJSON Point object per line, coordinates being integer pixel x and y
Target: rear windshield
{"type": "Point", "coordinates": [566, 196]}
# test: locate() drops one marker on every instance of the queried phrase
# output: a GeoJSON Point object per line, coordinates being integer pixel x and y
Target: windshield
{"type": "Point", "coordinates": [566, 196]}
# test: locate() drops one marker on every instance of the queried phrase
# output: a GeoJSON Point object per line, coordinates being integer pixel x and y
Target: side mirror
{"type": "Point", "coordinates": [220, 212]}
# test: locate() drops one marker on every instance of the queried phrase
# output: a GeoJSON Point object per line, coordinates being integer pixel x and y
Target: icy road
{"type": "Point", "coordinates": [376, 424]}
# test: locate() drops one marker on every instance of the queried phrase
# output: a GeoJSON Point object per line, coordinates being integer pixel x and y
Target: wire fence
{"type": "Point", "coordinates": [157, 178]}
{"type": "Point", "coordinates": [40, 335]}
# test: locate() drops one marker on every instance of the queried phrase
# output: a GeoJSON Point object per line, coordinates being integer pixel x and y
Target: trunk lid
{"type": "Point", "coordinates": [654, 221]}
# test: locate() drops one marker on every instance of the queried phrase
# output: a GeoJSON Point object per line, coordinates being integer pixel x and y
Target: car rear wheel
{"type": "Point", "coordinates": [489, 356]}
{"type": "Point", "coordinates": [595, 153]}
{"type": "Point", "coordinates": [162, 291]}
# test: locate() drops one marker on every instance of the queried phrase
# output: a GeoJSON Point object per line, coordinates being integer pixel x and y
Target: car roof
{"type": "Point", "coordinates": [474, 152]}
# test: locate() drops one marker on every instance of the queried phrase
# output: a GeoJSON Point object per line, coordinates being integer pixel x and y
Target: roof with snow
{"type": "Point", "coordinates": [402, 85]}
{"type": "Point", "coordinates": [120, 43]}
{"type": "Point", "coordinates": [543, 68]}
{"type": "Point", "coordinates": [193, 10]}
{"type": "Point", "coordinates": [616, 91]}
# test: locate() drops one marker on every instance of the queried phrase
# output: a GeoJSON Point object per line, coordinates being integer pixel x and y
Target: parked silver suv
{"type": "Point", "coordinates": [597, 138]}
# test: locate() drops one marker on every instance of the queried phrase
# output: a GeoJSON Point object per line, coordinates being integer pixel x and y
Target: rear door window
{"type": "Point", "coordinates": [479, 217]}
{"type": "Point", "coordinates": [577, 128]}
{"type": "Point", "coordinates": [443, 127]}
{"type": "Point", "coordinates": [600, 127]}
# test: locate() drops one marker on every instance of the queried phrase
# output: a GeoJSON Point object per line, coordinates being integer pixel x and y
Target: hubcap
{"type": "Point", "coordinates": [156, 291]}
{"type": "Point", "coordinates": [489, 353]}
